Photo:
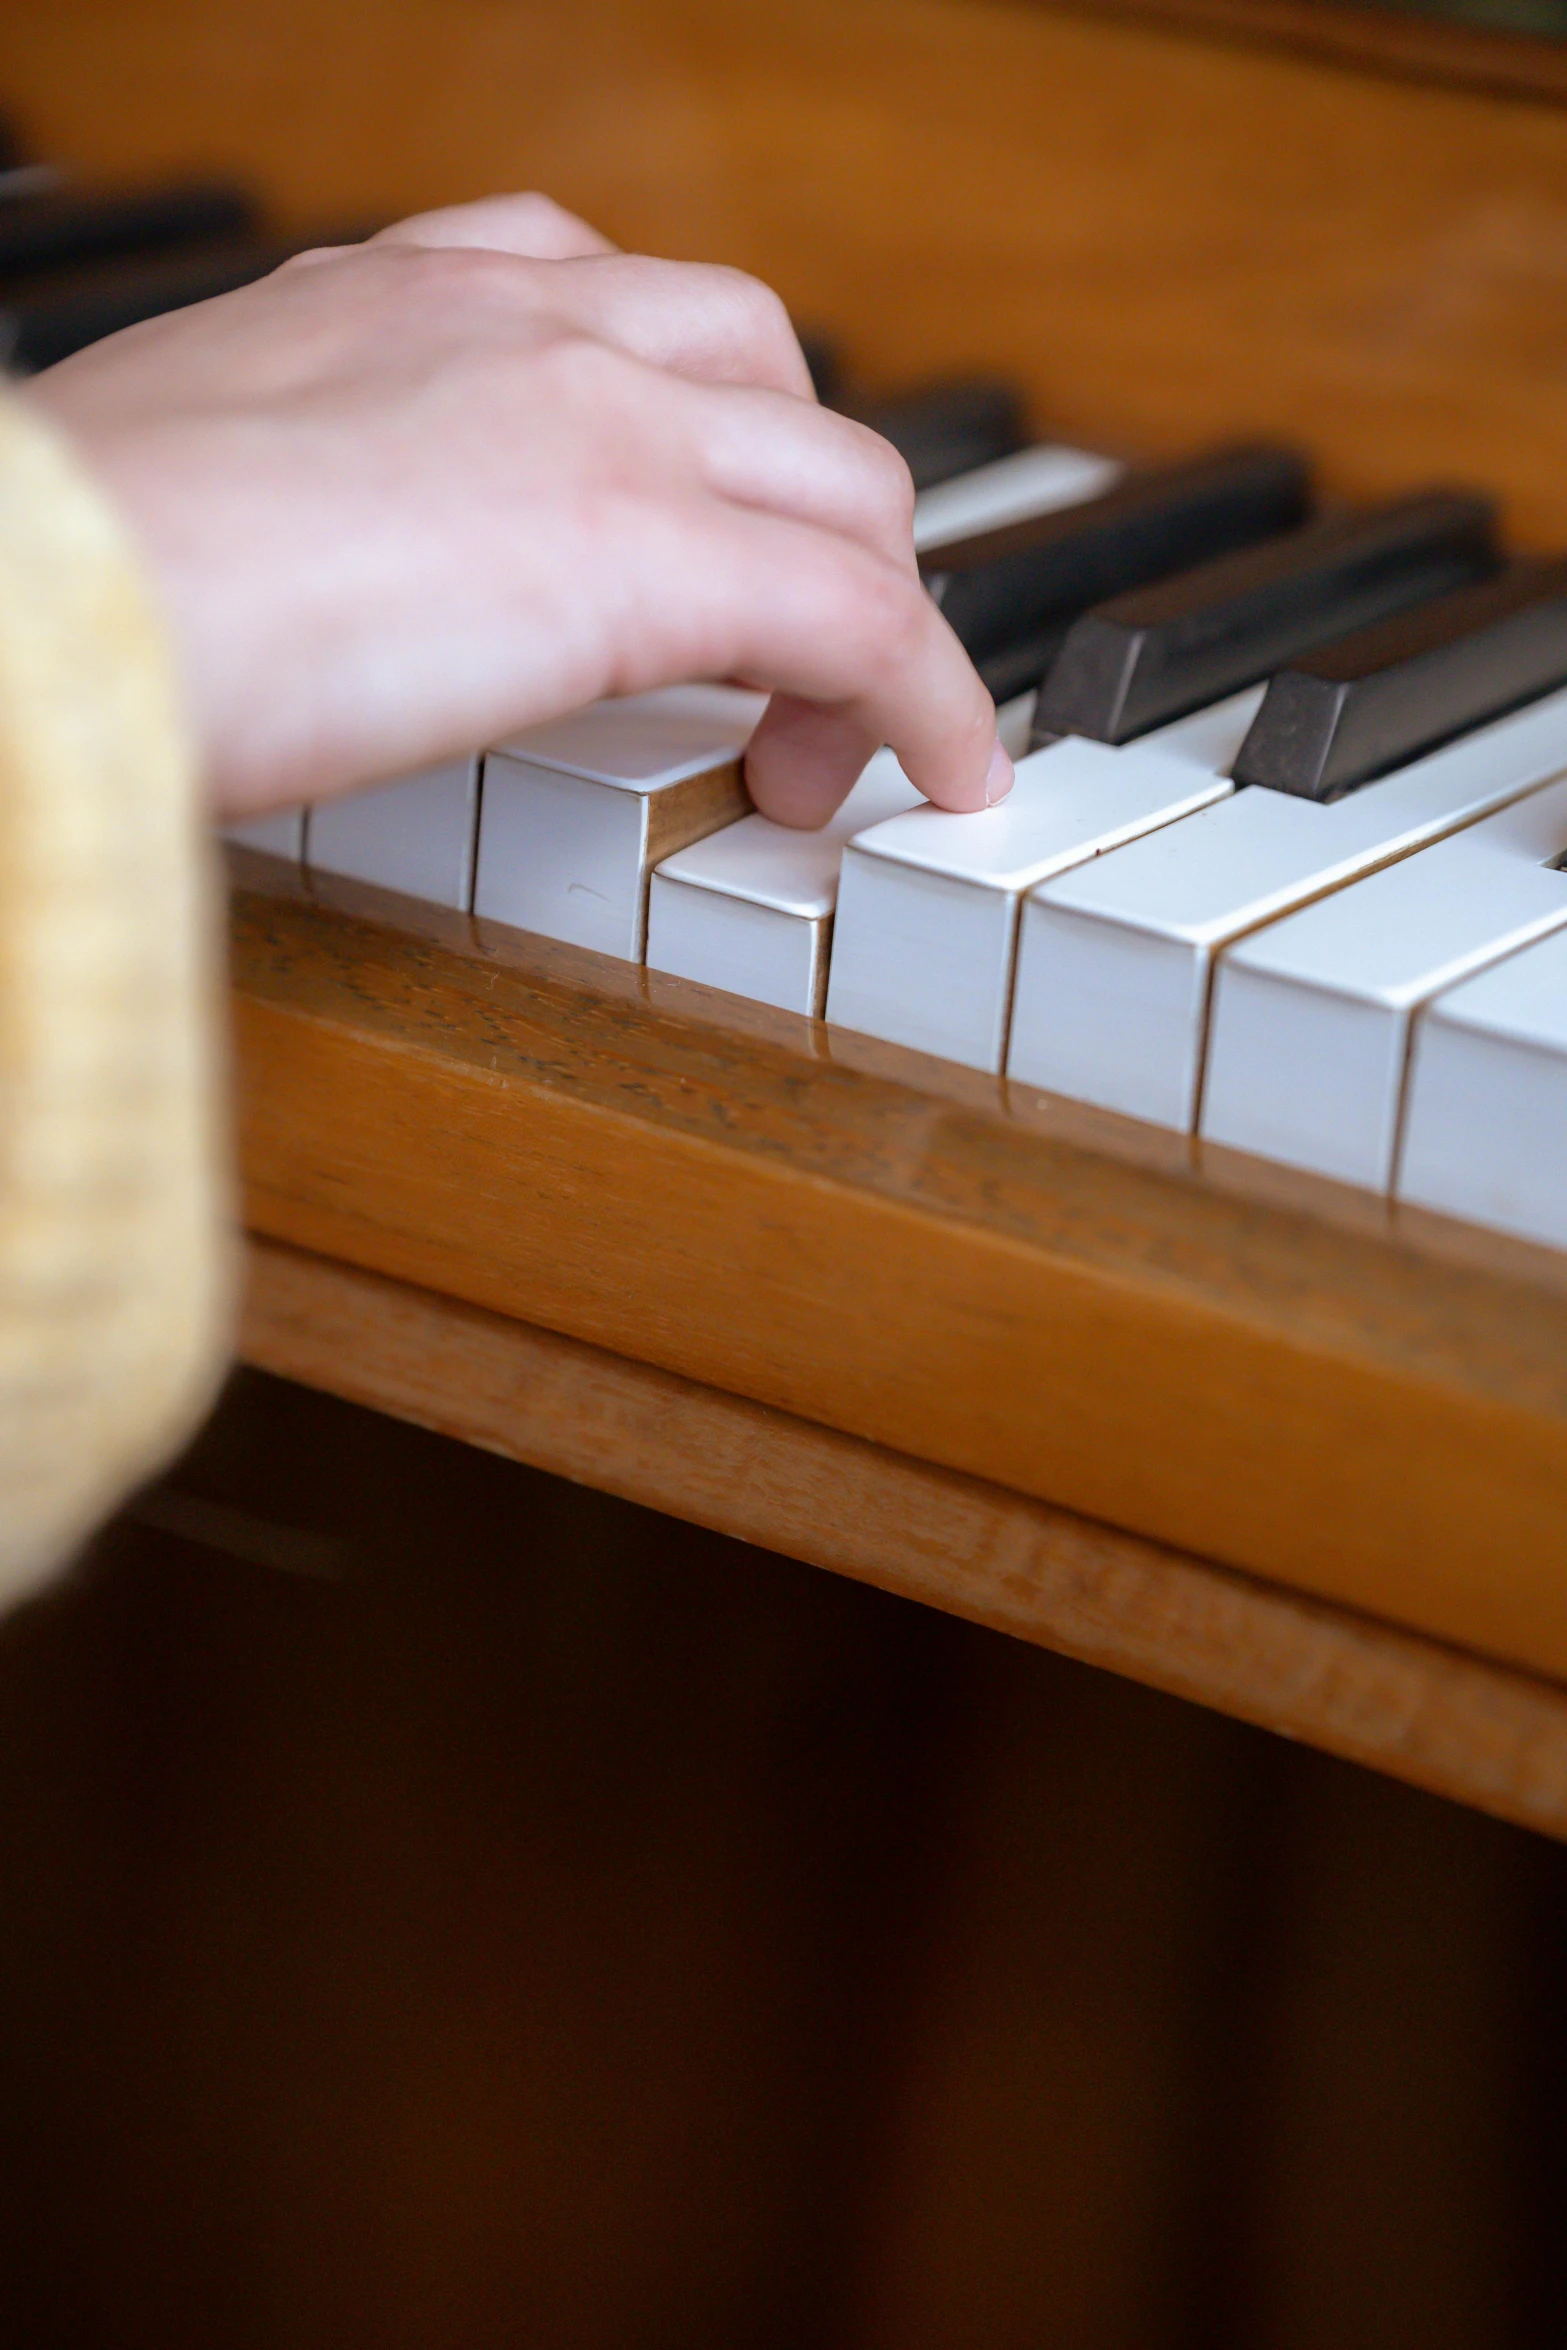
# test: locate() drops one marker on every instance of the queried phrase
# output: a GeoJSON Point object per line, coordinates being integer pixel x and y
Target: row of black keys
{"type": "Point", "coordinates": [1382, 632]}
{"type": "Point", "coordinates": [76, 265]}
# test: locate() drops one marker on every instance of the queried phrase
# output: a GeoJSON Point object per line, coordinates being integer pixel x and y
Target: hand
{"type": "Point", "coordinates": [405, 498]}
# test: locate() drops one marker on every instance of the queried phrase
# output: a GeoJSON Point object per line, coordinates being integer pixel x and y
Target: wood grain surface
{"type": "Point", "coordinates": [1407, 44]}
{"type": "Point", "coordinates": [690, 810]}
{"type": "Point", "coordinates": [524, 1127]}
{"type": "Point", "coordinates": [1487, 1735]}
{"type": "Point", "coordinates": [1164, 237]}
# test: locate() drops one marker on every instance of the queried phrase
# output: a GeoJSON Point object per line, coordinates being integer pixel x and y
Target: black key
{"type": "Point", "coordinates": [1152, 656]}
{"type": "Point", "coordinates": [1017, 669]}
{"type": "Point", "coordinates": [39, 234]}
{"type": "Point", "coordinates": [1008, 586]}
{"type": "Point", "coordinates": [1373, 701]}
{"type": "Point", "coordinates": [949, 428]}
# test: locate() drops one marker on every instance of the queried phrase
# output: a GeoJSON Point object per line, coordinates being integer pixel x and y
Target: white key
{"type": "Point", "coordinates": [417, 835]}
{"type": "Point", "coordinates": [1115, 961]}
{"type": "Point", "coordinates": [1311, 1021]}
{"type": "Point", "coordinates": [1034, 481]}
{"type": "Point", "coordinates": [576, 814]}
{"type": "Point", "coordinates": [278, 835]}
{"type": "Point", "coordinates": [1486, 1127]}
{"type": "Point", "coordinates": [750, 909]}
{"type": "Point", "coordinates": [923, 945]}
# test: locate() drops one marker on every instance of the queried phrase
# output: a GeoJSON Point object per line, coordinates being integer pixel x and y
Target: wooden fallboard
{"type": "Point", "coordinates": [1275, 1376]}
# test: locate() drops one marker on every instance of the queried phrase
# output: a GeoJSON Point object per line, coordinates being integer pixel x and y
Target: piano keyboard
{"type": "Point", "coordinates": [1282, 870]}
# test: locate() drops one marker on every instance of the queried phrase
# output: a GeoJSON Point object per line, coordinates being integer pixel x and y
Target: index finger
{"type": "Point", "coordinates": [855, 655]}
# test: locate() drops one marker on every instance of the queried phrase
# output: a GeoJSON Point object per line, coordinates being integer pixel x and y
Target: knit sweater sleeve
{"type": "Point", "coordinates": [115, 1266]}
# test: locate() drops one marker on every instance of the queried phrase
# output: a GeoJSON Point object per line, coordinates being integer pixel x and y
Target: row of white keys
{"type": "Point", "coordinates": [925, 939]}
{"type": "Point", "coordinates": [750, 909]}
{"type": "Point", "coordinates": [1115, 961]}
{"type": "Point", "coordinates": [1485, 1133]}
{"type": "Point", "coordinates": [556, 831]}
{"type": "Point", "coordinates": [1312, 1017]}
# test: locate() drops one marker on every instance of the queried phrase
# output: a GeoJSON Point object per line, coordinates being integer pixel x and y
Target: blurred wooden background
{"type": "Point", "coordinates": [444, 1906]}
{"type": "Point", "coordinates": [1162, 234]}
{"type": "Point", "coordinates": [448, 1906]}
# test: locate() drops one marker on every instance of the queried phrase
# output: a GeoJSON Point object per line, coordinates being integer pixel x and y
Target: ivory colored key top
{"type": "Point", "coordinates": [751, 908]}
{"type": "Point", "coordinates": [418, 835]}
{"type": "Point", "coordinates": [576, 814]}
{"type": "Point", "coordinates": [278, 835]}
{"type": "Point", "coordinates": [1032, 481]}
{"type": "Point", "coordinates": [1312, 1016]}
{"type": "Point", "coordinates": [1115, 962]}
{"type": "Point", "coordinates": [1145, 658]}
{"type": "Point", "coordinates": [927, 903]}
{"type": "Point", "coordinates": [1486, 1128]}
{"type": "Point", "coordinates": [1373, 701]}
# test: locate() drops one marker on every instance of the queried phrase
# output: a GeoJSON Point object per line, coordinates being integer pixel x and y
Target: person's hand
{"type": "Point", "coordinates": [405, 498]}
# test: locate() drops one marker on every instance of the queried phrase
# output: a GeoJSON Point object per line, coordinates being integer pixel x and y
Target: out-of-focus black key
{"type": "Point", "coordinates": [1375, 700]}
{"type": "Point", "coordinates": [949, 428]}
{"type": "Point", "coordinates": [61, 231]}
{"type": "Point", "coordinates": [824, 360]}
{"type": "Point", "coordinates": [1008, 586]}
{"type": "Point", "coordinates": [55, 320]}
{"type": "Point", "coordinates": [1151, 656]}
{"type": "Point", "coordinates": [65, 314]}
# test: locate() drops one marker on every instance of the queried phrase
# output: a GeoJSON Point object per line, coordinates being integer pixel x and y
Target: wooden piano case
{"type": "Point", "coordinates": [1258, 1443]}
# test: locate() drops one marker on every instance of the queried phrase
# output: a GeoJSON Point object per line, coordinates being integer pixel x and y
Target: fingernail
{"type": "Point", "coordinates": [1000, 776]}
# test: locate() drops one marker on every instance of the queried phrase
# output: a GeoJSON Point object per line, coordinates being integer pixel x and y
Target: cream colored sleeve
{"type": "Point", "coordinates": [115, 1260]}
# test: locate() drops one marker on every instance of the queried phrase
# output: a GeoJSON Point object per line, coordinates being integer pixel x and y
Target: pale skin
{"type": "Point", "coordinates": [404, 498]}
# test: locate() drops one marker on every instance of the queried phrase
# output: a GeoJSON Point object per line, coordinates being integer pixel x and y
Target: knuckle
{"type": "Point", "coordinates": [587, 373]}
{"type": "Point", "coordinates": [873, 612]}
{"type": "Point", "coordinates": [889, 474]}
{"type": "Point", "coordinates": [897, 617]}
{"type": "Point", "coordinates": [537, 205]}
{"type": "Point", "coordinates": [446, 281]}
{"type": "Point", "coordinates": [550, 223]}
{"type": "Point", "coordinates": [762, 309]}
{"type": "Point", "coordinates": [757, 315]}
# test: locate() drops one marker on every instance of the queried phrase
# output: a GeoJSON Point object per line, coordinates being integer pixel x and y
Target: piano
{"type": "Point", "coordinates": [1193, 1300]}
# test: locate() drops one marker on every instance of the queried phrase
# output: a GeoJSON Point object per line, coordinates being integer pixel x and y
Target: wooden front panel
{"type": "Point", "coordinates": [523, 1127]}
